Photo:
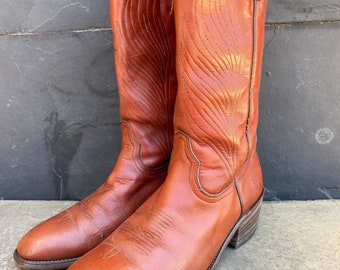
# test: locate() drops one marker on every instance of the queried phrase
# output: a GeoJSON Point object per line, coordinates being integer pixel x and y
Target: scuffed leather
{"type": "Point", "coordinates": [214, 174]}
{"type": "Point", "coordinates": [144, 41]}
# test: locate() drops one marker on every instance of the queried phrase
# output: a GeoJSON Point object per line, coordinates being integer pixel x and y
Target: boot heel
{"type": "Point", "coordinates": [247, 226]}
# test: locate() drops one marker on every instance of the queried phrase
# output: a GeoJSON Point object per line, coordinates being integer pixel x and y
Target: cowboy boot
{"type": "Point", "coordinates": [144, 41]}
{"type": "Point", "coordinates": [212, 195]}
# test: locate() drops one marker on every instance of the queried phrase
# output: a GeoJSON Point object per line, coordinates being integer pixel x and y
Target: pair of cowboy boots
{"type": "Point", "coordinates": [187, 182]}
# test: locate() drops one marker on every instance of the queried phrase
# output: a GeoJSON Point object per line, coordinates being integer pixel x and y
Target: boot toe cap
{"type": "Point", "coordinates": [51, 240]}
{"type": "Point", "coordinates": [38, 245]}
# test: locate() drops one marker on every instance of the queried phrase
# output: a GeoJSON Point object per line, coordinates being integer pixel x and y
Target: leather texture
{"type": "Point", "coordinates": [144, 42]}
{"type": "Point", "coordinates": [214, 176]}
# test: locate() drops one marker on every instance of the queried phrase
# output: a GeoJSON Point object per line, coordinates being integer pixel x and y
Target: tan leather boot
{"type": "Point", "coordinates": [213, 192]}
{"type": "Point", "coordinates": [144, 40]}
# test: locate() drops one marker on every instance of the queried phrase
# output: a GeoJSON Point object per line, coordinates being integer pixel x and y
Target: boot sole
{"type": "Point", "coordinates": [242, 231]}
{"type": "Point", "coordinates": [42, 265]}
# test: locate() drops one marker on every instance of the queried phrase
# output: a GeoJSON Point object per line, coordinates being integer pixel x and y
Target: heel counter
{"type": "Point", "coordinates": [249, 182]}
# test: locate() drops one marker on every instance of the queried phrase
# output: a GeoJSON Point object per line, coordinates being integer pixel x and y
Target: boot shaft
{"type": "Point", "coordinates": [219, 58]}
{"type": "Point", "coordinates": [144, 42]}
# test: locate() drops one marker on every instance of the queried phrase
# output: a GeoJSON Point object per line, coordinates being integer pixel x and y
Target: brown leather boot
{"type": "Point", "coordinates": [213, 192]}
{"type": "Point", "coordinates": [144, 43]}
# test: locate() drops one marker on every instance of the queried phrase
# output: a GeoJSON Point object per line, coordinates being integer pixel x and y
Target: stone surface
{"type": "Point", "coordinates": [290, 235]}
{"type": "Point", "coordinates": [299, 142]}
{"type": "Point", "coordinates": [59, 116]}
{"type": "Point", "coordinates": [22, 16]}
{"type": "Point", "coordinates": [302, 10]}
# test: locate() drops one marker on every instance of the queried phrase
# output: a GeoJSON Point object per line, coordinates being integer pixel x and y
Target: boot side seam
{"type": "Point", "coordinates": [252, 78]}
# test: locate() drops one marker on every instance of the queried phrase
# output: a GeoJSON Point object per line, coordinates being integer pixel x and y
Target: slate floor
{"type": "Point", "coordinates": [291, 235]}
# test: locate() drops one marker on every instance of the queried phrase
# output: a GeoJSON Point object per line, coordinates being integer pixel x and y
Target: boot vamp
{"type": "Point", "coordinates": [177, 228]}
{"type": "Point", "coordinates": [81, 227]}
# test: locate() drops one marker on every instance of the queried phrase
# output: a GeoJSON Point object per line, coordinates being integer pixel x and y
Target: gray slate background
{"type": "Point", "coordinates": [59, 122]}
